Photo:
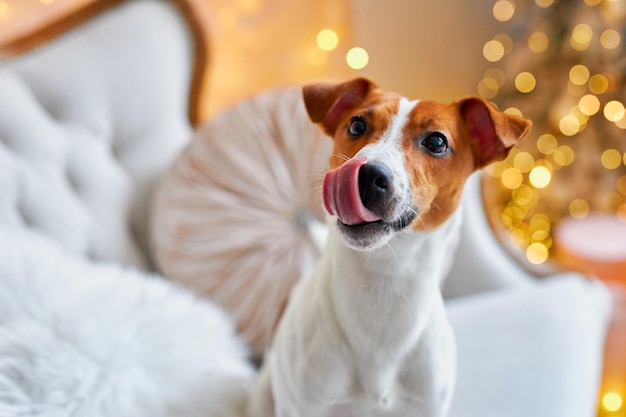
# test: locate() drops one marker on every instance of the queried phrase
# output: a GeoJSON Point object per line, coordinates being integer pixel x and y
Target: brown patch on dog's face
{"type": "Point", "coordinates": [440, 144]}
{"type": "Point", "coordinates": [376, 111]}
{"type": "Point", "coordinates": [436, 179]}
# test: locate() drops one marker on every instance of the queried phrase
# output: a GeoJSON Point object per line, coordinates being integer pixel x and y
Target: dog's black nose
{"type": "Point", "coordinates": [375, 182]}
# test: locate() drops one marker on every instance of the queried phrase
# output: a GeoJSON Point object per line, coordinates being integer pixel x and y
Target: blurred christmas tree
{"type": "Point", "coordinates": [561, 64]}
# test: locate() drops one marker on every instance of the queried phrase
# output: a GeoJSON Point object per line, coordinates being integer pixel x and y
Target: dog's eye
{"type": "Point", "coordinates": [436, 143]}
{"type": "Point", "coordinates": [357, 127]}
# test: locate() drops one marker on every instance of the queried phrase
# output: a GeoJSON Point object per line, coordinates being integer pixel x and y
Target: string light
{"type": "Point", "coordinates": [506, 41]}
{"type": "Point", "coordinates": [598, 83]}
{"type": "Point", "coordinates": [546, 144]}
{"type": "Point", "coordinates": [537, 178]}
{"type": "Point", "coordinates": [589, 104]}
{"type": "Point", "coordinates": [612, 402]}
{"type": "Point", "coordinates": [611, 159]}
{"type": "Point", "coordinates": [523, 195]}
{"type": "Point", "coordinates": [579, 208]}
{"type": "Point", "coordinates": [614, 111]}
{"type": "Point", "coordinates": [540, 176]}
{"type": "Point", "coordinates": [563, 156]}
{"type": "Point", "coordinates": [581, 37]}
{"type": "Point", "coordinates": [579, 74]}
{"type": "Point", "coordinates": [537, 253]}
{"type": "Point", "coordinates": [525, 82]}
{"type": "Point", "coordinates": [503, 10]}
{"type": "Point", "coordinates": [569, 125]}
{"type": "Point", "coordinates": [523, 162]}
{"type": "Point", "coordinates": [327, 39]}
{"type": "Point", "coordinates": [538, 42]}
{"type": "Point", "coordinates": [610, 39]}
{"type": "Point", "coordinates": [511, 178]}
{"type": "Point", "coordinates": [357, 58]}
{"type": "Point", "coordinates": [493, 51]}
{"type": "Point", "coordinates": [544, 3]}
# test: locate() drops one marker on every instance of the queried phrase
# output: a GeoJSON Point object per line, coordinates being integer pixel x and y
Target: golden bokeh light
{"type": "Point", "coordinates": [598, 83]}
{"type": "Point", "coordinates": [506, 41]}
{"type": "Point", "coordinates": [579, 74]}
{"type": "Point", "coordinates": [538, 42]}
{"type": "Point", "coordinates": [487, 88]}
{"type": "Point", "coordinates": [592, 3]}
{"type": "Point", "coordinates": [547, 143]}
{"type": "Point", "coordinates": [357, 58]}
{"type": "Point", "coordinates": [537, 253]}
{"type": "Point", "coordinates": [497, 75]}
{"type": "Point", "coordinates": [579, 208]}
{"type": "Point", "coordinates": [589, 104]}
{"type": "Point", "coordinates": [523, 195]}
{"type": "Point", "coordinates": [612, 402]}
{"type": "Point", "coordinates": [569, 125]}
{"type": "Point", "coordinates": [581, 36]}
{"type": "Point", "coordinates": [523, 162]}
{"type": "Point", "coordinates": [540, 176]}
{"type": "Point", "coordinates": [610, 39]}
{"type": "Point", "coordinates": [539, 221]}
{"type": "Point", "coordinates": [614, 110]}
{"type": "Point", "coordinates": [327, 39]}
{"type": "Point", "coordinates": [511, 178]}
{"type": "Point", "coordinates": [611, 159]}
{"type": "Point", "coordinates": [563, 155]}
{"type": "Point", "coordinates": [544, 3]}
{"type": "Point", "coordinates": [514, 111]}
{"type": "Point", "coordinates": [493, 51]}
{"type": "Point", "coordinates": [503, 10]}
{"type": "Point", "coordinates": [525, 82]}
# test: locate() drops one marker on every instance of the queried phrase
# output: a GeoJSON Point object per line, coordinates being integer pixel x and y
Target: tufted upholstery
{"type": "Point", "coordinates": [82, 142]}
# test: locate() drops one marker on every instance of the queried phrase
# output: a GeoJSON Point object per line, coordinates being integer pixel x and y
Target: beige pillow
{"type": "Point", "coordinates": [235, 217]}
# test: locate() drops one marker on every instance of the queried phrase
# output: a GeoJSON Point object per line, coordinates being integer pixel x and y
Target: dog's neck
{"type": "Point", "coordinates": [385, 295]}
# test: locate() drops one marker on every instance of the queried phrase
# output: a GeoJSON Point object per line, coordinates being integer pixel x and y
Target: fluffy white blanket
{"type": "Point", "coordinates": [84, 339]}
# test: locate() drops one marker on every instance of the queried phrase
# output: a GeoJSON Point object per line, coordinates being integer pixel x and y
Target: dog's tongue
{"type": "Point", "coordinates": [340, 191]}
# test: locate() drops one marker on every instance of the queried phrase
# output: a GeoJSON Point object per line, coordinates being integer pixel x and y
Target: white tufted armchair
{"type": "Point", "coordinates": [90, 119]}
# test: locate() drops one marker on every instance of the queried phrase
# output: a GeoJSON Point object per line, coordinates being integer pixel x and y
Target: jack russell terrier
{"type": "Point", "coordinates": [367, 334]}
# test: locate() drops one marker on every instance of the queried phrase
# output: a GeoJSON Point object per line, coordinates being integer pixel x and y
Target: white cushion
{"type": "Point", "coordinates": [236, 217]}
{"type": "Point", "coordinates": [88, 122]}
{"type": "Point", "coordinates": [530, 351]}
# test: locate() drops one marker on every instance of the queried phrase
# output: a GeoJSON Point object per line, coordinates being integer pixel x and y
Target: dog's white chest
{"type": "Point", "coordinates": [357, 354]}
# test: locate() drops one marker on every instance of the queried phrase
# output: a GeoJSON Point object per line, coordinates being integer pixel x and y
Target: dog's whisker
{"type": "Point", "coordinates": [393, 252]}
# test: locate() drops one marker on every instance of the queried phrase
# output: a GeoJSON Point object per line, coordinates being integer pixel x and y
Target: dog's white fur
{"type": "Point", "coordinates": [367, 333]}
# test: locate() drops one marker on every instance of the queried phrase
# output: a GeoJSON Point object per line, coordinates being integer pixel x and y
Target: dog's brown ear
{"type": "Point", "coordinates": [327, 103]}
{"type": "Point", "coordinates": [492, 132]}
